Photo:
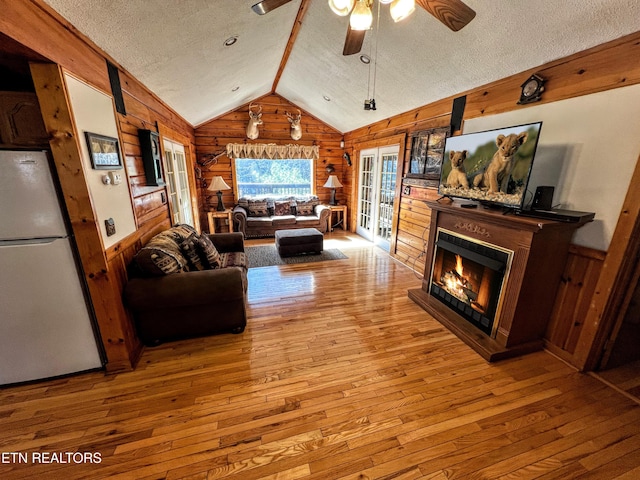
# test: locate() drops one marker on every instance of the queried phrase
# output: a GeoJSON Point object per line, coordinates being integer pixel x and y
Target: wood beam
{"type": "Point", "coordinates": [304, 6]}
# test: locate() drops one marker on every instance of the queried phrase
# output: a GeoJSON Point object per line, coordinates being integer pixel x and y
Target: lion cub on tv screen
{"type": "Point", "coordinates": [496, 177]}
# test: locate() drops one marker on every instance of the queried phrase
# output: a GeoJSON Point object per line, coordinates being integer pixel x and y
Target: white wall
{"type": "Point", "coordinates": [93, 112]}
{"type": "Point", "coordinates": [588, 149]}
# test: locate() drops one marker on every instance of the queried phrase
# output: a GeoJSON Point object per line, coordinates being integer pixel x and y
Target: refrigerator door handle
{"type": "Point", "coordinates": [29, 241]}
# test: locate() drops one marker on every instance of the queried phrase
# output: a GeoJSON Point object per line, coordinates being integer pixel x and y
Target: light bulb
{"type": "Point", "coordinates": [361, 17]}
{"type": "Point", "coordinates": [341, 7]}
{"type": "Point", "coordinates": [401, 9]}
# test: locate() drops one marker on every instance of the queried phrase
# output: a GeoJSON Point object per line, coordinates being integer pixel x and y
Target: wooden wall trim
{"type": "Point", "coordinates": [118, 337]}
{"type": "Point", "coordinates": [614, 279]}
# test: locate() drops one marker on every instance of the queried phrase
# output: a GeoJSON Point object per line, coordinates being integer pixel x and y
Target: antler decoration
{"type": "Point", "coordinates": [255, 119]}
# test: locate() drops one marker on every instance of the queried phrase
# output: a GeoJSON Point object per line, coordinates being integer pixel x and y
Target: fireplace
{"type": "Point", "coordinates": [468, 276]}
{"type": "Point", "coordinates": [492, 278]}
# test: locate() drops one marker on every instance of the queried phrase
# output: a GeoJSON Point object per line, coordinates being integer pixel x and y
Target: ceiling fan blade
{"type": "Point", "coordinates": [353, 42]}
{"type": "Point", "coordinates": [455, 14]}
{"type": "Point", "coordinates": [265, 6]}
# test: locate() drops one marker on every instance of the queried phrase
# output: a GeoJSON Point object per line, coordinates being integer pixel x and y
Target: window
{"type": "Point", "coordinates": [267, 177]}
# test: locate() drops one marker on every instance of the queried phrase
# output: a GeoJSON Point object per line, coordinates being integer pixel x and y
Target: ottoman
{"type": "Point", "coordinates": [301, 240]}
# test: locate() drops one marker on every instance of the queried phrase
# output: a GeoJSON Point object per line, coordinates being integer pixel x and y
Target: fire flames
{"type": "Point", "coordinates": [457, 283]}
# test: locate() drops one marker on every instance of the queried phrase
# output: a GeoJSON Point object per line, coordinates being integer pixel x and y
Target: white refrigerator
{"type": "Point", "coordinates": [47, 328]}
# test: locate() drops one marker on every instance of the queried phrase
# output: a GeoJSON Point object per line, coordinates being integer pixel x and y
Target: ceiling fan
{"type": "Point", "coordinates": [454, 14]}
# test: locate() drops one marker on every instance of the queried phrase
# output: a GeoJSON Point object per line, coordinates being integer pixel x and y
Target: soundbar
{"type": "Point", "coordinates": [558, 215]}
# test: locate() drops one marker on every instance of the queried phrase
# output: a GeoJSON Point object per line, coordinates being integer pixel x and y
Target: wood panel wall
{"type": "Point", "coordinates": [211, 138]}
{"type": "Point", "coordinates": [608, 66]}
{"type": "Point", "coordinates": [59, 42]}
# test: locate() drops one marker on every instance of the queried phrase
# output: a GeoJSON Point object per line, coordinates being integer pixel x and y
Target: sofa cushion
{"type": "Point", "coordinates": [283, 220]}
{"type": "Point", "coordinates": [208, 252]}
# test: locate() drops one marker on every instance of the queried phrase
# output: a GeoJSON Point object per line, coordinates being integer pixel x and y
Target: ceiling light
{"type": "Point", "coordinates": [365, 59]}
{"type": "Point", "coordinates": [230, 41]}
{"type": "Point", "coordinates": [235, 89]}
{"type": "Point", "coordinates": [326, 97]}
{"type": "Point", "coordinates": [341, 7]}
{"type": "Point", "coordinates": [401, 9]}
{"type": "Point", "coordinates": [361, 17]}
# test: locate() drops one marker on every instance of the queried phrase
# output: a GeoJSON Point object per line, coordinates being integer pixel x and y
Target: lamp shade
{"type": "Point", "coordinates": [217, 184]}
{"type": "Point", "coordinates": [332, 182]}
{"type": "Point", "coordinates": [401, 9]}
{"type": "Point", "coordinates": [341, 7]}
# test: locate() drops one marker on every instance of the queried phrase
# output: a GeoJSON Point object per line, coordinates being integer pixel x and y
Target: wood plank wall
{"type": "Point", "coordinates": [611, 65]}
{"type": "Point", "coordinates": [59, 42]}
{"type": "Point", "coordinates": [212, 138]}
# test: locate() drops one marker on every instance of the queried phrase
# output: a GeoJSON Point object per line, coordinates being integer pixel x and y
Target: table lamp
{"type": "Point", "coordinates": [333, 183]}
{"type": "Point", "coordinates": [217, 185]}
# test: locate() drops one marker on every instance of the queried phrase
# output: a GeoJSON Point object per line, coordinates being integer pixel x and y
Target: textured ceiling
{"type": "Point", "coordinates": [175, 47]}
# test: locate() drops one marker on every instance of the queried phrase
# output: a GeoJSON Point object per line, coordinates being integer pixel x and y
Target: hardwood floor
{"type": "Point", "coordinates": [337, 376]}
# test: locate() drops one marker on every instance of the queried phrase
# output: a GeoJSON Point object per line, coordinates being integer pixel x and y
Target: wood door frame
{"type": "Point", "coordinates": [608, 300]}
{"type": "Point", "coordinates": [118, 338]}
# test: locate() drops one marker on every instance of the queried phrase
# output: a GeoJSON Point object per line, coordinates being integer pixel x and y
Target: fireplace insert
{"type": "Point", "coordinates": [468, 276]}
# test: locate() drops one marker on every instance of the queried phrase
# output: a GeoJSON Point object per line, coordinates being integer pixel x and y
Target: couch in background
{"type": "Point", "coordinates": [263, 217]}
{"type": "Point", "coordinates": [183, 285]}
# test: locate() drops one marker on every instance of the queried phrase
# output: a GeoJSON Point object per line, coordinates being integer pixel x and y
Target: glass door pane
{"type": "Point", "coordinates": [366, 195]}
{"type": "Point", "coordinates": [178, 183]}
{"type": "Point", "coordinates": [376, 193]}
{"type": "Point", "coordinates": [183, 192]}
{"type": "Point", "coordinates": [171, 183]}
{"type": "Point", "coordinates": [387, 194]}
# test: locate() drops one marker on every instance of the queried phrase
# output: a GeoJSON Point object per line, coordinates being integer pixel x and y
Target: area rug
{"type": "Point", "coordinates": [267, 255]}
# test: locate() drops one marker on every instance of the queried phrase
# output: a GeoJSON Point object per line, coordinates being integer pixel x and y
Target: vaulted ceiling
{"type": "Point", "coordinates": [176, 48]}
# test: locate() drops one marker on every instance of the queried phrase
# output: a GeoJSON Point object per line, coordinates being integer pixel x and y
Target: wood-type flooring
{"type": "Point", "coordinates": [338, 376]}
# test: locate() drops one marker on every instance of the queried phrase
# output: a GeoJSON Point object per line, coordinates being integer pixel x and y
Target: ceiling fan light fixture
{"type": "Point", "coordinates": [401, 9]}
{"type": "Point", "coordinates": [361, 17]}
{"type": "Point", "coordinates": [341, 7]}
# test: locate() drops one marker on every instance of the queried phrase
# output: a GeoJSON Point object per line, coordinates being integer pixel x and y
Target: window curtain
{"type": "Point", "coordinates": [272, 151]}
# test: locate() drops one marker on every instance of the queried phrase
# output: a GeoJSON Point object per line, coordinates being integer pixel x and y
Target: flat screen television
{"type": "Point", "coordinates": [492, 167]}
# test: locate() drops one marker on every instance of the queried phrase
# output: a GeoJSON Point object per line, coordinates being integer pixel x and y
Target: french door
{"type": "Point", "coordinates": [175, 165]}
{"type": "Point", "coordinates": [376, 193]}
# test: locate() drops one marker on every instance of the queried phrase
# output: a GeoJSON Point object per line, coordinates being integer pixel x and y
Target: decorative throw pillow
{"type": "Point", "coordinates": [191, 250]}
{"type": "Point", "coordinates": [208, 252]}
{"type": "Point", "coordinates": [258, 208]}
{"type": "Point", "coordinates": [161, 256]}
{"type": "Point", "coordinates": [306, 208]}
{"type": "Point", "coordinates": [282, 208]}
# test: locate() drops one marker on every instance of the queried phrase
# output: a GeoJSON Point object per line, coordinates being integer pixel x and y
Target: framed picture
{"type": "Point", "coordinates": [104, 151]}
{"type": "Point", "coordinates": [427, 150]}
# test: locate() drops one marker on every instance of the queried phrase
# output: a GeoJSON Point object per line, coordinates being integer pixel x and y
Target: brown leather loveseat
{"type": "Point", "coordinates": [181, 287]}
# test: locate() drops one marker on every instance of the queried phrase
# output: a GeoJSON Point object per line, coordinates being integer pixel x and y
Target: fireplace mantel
{"type": "Point", "coordinates": [539, 249]}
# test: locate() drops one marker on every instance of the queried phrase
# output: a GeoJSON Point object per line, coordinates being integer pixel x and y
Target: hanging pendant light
{"type": "Point", "coordinates": [401, 9]}
{"type": "Point", "coordinates": [361, 17]}
{"type": "Point", "coordinates": [341, 7]}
